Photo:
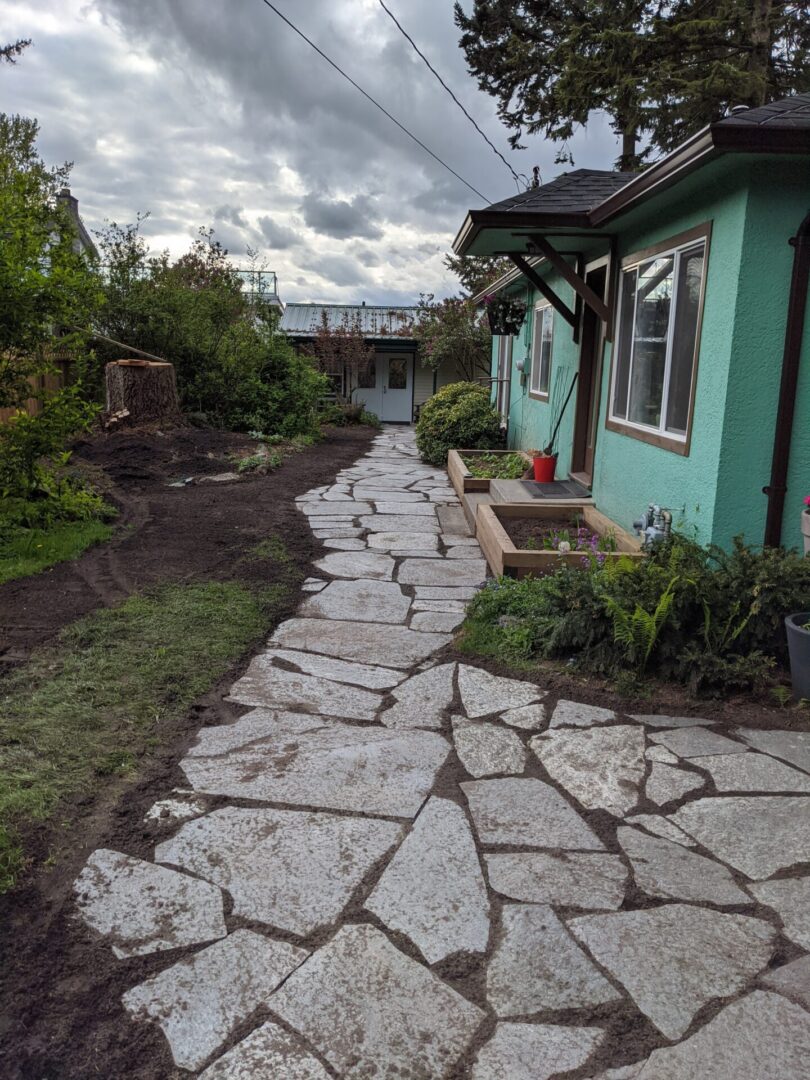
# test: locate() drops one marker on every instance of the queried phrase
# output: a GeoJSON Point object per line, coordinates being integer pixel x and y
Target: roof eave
{"type": "Point", "coordinates": [514, 220]}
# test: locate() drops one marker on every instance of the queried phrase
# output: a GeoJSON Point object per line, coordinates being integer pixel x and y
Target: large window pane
{"type": "Point", "coordinates": [624, 347]}
{"type": "Point", "coordinates": [653, 303]}
{"type": "Point", "coordinates": [684, 337]}
{"type": "Point", "coordinates": [541, 349]}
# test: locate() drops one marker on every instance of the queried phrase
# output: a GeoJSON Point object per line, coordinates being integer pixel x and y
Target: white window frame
{"type": "Point", "coordinates": [660, 432]}
{"type": "Point", "coordinates": [506, 344]}
{"type": "Point", "coordinates": [542, 309]}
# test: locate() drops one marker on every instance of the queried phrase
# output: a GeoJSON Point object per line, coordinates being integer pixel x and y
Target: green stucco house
{"type": "Point", "coordinates": [677, 298]}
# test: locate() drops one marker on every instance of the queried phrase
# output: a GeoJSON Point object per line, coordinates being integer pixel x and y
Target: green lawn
{"type": "Point", "coordinates": [89, 706]}
{"type": "Point", "coordinates": [28, 551]}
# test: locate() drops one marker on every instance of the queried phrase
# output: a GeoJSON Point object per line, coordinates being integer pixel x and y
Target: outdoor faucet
{"type": "Point", "coordinates": [655, 524]}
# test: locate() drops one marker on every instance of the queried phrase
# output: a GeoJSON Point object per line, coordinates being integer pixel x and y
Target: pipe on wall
{"type": "Point", "coordinates": [797, 307]}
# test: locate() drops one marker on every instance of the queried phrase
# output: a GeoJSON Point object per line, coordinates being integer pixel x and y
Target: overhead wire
{"type": "Point", "coordinates": [373, 101]}
{"type": "Point", "coordinates": [519, 180]}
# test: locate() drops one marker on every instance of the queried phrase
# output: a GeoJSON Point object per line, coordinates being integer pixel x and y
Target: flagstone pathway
{"type": "Point", "coordinates": [394, 866]}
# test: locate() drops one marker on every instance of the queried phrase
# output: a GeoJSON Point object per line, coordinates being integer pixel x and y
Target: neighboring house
{"type": "Point", "coordinates": [396, 384]}
{"type": "Point", "coordinates": [678, 296]}
{"type": "Point", "coordinates": [82, 241]}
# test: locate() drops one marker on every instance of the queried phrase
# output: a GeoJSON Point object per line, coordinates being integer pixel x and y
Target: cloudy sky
{"type": "Point", "coordinates": [213, 112]}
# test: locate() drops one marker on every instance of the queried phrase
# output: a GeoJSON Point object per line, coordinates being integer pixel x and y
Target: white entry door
{"type": "Point", "coordinates": [396, 374]}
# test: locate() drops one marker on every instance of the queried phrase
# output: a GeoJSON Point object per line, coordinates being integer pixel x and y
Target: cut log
{"type": "Point", "coordinates": [144, 390]}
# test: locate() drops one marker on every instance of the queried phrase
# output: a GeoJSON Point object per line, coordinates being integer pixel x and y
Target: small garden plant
{"type": "Point", "coordinates": [458, 417]}
{"type": "Point", "coordinates": [496, 466]}
{"type": "Point", "coordinates": [577, 538]}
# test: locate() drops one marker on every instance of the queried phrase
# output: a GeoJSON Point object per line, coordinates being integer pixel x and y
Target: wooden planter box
{"type": "Point", "coordinates": [460, 476]}
{"type": "Point", "coordinates": [504, 558]}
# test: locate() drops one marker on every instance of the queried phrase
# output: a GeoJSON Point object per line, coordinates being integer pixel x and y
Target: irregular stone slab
{"type": "Point", "coordinates": [269, 1053]}
{"type": "Point", "coordinates": [660, 826]}
{"type": "Point", "coordinates": [367, 565]}
{"type": "Point", "coordinates": [482, 693]}
{"type": "Point", "coordinates": [601, 767]}
{"type": "Point", "coordinates": [664, 868]}
{"type": "Point", "coordinates": [534, 1051]}
{"type": "Point", "coordinates": [791, 746]}
{"type": "Point", "coordinates": [537, 966]}
{"type": "Point", "coordinates": [420, 509]}
{"type": "Point", "coordinates": [430, 592]}
{"type": "Point", "coordinates": [696, 742]}
{"type": "Point", "coordinates": [332, 765]}
{"type": "Point", "coordinates": [144, 908]}
{"type": "Point", "coordinates": [378, 495]}
{"type": "Point", "coordinates": [404, 524]}
{"type": "Point", "coordinates": [451, 540]}
{"type": "Point", "coordinates": [397, 647]}
{"type": "Point", "coordinates": [790, 899]}
{"type": "Point", "coordinates": [758, 835]}
{"type": "Point", "coordinates": [487, 749]}
{"type": "Point", "coordinates": [624, 1072]}
{"type": "Point", "coordinates": [252, 727]}
{"type": "Point", "coordinates": [325, 509]}
{"type": "Point", "coordinates": [359, 601]}
{"type": "Point", "coordinates": [752, 772]}
{"type": "Point", "coordinates": [288, 869]}
{"type": "Point", "coordinates": [792, 980]}
{"type": "Point", "coordinates": [433, 890]}
{"type": "Point", "coordinates": [674, 959]}
{"type": "Point", "coordinates": [573, 714]}
{"type": "Point", "coordinates": [313, 585]}
{"type": "Point", "coordinates": [761, 1036]}
{"type": "Point", "coordinates": [528, 813]}
{"type": "Point", "coordinates": [659, 721]}
{"type": "Point", "coordinates": [660, 753]}
{"type": "Point", "coordinates": [526, 717]}
{"type": "Point", "coordinates": [264, 684]}
{"type": "Point", "coordinates": [422, 699]}
{"type": "Point", "coordinates": [460, 553]}
{"type": "Point", "coordinates": [337, 544]}
{"type": "Point", "coordinates": [565, 879]}
{"type": "Point", "coordinates": [442, 572]}
{"type": "Point", "coordinates": [200, 1000]}
{"type": "Point", "coordinates": [456, 606]}
{"type": "Point", "coordinates": [328, 667]}
{"type": "Point", "coordinates": [437, 620]}
{"type": "Point", "coordinates": [179, 806]}
{"type": "Point", "coordinates": [453, 521]}
{"type": "Point", "coordinates": [666, 783]}
{"type": "Point", "coordinates": [396, 543]}
{"type": "Point", "coordinates": [372, 1012]}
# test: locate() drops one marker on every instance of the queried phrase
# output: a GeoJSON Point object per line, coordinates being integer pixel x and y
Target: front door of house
{"type": "Point", "coordinates": [590, 369]}
{"type": "Point", "coordinates": [395, 371]}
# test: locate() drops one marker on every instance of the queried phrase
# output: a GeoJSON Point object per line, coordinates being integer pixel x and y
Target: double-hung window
{"type": "Point", "coordinates": [504, 375]}
{"type": "Point", "coordinates": [656, 352]}
{"type": "Point", "coordinates": [542, 337]}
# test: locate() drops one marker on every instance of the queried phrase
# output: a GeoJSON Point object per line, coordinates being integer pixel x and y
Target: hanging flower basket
{"type": "Point", "coordinates": [505, 314]}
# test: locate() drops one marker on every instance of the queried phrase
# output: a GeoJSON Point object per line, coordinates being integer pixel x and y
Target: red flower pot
{"type": "Point", "coordinates": [544, 468]}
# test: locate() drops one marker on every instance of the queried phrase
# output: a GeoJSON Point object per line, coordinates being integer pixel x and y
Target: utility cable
{"type": "Point", "coordinates": [374, 102]}
{"type": "Point", "coordinates": [517, 178]}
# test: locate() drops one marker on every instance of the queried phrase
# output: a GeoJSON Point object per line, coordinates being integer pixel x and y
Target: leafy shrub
{"type": "Point", "coordinates": [703, 617]}
{"type": "Point", "coordinates": [458, 416]}
{"type": "Point", "coordinates": [497, 466]}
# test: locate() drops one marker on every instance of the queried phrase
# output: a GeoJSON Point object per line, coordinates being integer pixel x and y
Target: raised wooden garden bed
{"type": "Point", "coordinates": [460, 475]}
{"type": "Point", "coordinates": [496, 521]}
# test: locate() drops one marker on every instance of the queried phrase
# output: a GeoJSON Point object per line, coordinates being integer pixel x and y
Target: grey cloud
{"type": "Point", "coordinates": [279, 237]}
{"type": "Point", "coordinates": [340, 269]}
{"type": "Point", "coordinates": [234, 215]}
{"type": "Point", "coordinates": [340, 218]}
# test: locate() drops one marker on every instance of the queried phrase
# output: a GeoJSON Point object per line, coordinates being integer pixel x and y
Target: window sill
{"type": "Point", "coordinates": [538, 396]}
{"type": "Point", "coordinates": [663, 442]}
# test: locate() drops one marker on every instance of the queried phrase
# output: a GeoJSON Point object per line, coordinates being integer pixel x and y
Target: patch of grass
{"type": "Point", "coordinates": [87, 708]}
{"type": "Point", "coordinates": [29, 551]}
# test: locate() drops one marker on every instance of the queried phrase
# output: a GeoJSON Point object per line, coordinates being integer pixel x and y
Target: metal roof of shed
{"type": "Point", "coordinates": [378, 322]}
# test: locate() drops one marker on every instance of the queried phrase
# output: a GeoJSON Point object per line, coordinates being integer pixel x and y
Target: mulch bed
{"type": "Point", "coordinates": [524, 532]}
{"type": "Point", "coordinates": [57, 1022]}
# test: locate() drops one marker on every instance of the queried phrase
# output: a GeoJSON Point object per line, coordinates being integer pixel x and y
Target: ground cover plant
{"type": "Point", "coordinates": [564, 536]}
{"type": "Point", "coordinates": [457, 417]}
{"type": "Point", "coordinates": [496, 466]}
{"type": "Point", "coordinates": [709, 619]}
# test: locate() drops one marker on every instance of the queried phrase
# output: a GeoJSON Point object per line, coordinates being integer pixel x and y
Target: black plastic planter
{"type": "Point", "coordinates": [799, 650]}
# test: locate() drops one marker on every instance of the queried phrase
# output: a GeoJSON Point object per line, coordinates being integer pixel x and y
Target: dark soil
{"type": "Point", "coordinates": [532, 533]}
{"type": "Point", "coordinates": [61, 1016]}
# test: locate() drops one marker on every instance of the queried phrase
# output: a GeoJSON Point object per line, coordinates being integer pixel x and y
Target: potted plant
{"type": "Point", "coordinates": [545, 461]}
{"type": "Point", "coordinates": [798, 637]}
{"type": "Point", "coordinates": [545, 464]}
{"type": "Point", "coordinates": [806, 524]}
{"type": "Point", "coordinates": [505, 314]}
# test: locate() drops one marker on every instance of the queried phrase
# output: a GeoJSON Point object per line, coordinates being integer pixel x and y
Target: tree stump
{"type": "Point", "coordinates": [143, 391]}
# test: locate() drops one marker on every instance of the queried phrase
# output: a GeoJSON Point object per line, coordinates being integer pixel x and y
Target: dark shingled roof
{"type": "Point", "coordinates": [570, 193]}
{"type": "Point", "coordinates": [792, 112]}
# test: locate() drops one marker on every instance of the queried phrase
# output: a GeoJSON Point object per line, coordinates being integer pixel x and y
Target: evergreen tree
{"type": "Point", "coordinates": [659, 69]}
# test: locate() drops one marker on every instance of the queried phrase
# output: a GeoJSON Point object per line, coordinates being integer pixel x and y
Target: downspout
{"type": "Point", "coordinates": [797, 306]}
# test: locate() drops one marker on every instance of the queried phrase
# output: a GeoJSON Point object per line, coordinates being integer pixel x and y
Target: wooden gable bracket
{"type": "Point", "coordinates": [545, 290]}
{"type": "Point", "coordinates": [567, 272]}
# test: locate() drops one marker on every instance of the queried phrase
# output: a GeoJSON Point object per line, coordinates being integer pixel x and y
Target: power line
{"type": "Point", "coordinates": [373, 101]}
{"type": "Point", "coordinates": [432, 69]}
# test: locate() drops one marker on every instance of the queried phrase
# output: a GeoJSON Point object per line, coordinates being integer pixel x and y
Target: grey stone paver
{"type": "Point", "coordinates": [402, 524]}
{"type": "Point", "coordinates": [790, 746]}
{"type": "Point", "coordinates": [373, 1012]}
{"type": "Point", "coordinates": [483, 693]}
{"type": "Point", "coordinates": [141, 908]}
{"type": "Point", "coordinates": [536, 965]}
{"type": "Point", "coordinates": [693, 742]}
{"type": "Point", "coordinates": [661, 826]}
{"type": "Point", "coordinates": [761, 1037]}
{"type": "Point", "coordinates": [338, 544]}
{"type": "Point", "coordinates": [526, 717]}
{"type": "Point", "coordinates": [441, 572]}
{"type": "Point", "coordinates": [566, 878]}
{"type": "Point", "coordinates": [292, 870]}
{"type": "Point", "coordinates": [177, 807]}
{"type": "Point", "coordinates": [660, 753]}
{"type": "Point", "coordinates": [359, 601]}
{"type": "Point", "coordinates": [752, 772]}
{"type": "Point", "coordinates": [268, 1053]}
{"type": "Point", "coordinates": [437, 620]}
{"type": "Point", "coordinates": [674, 959]}
{"type": "Point", "coordinates": [602, 767]}
{"type": "Point", "coordinates": [756, 834]}
{"type": "Point", "coordinates": [396, 647]}
{"type": "Point", "coordinates": [325, 509]}
{"type": "Point", "coordinates": [200, 1000]}
{"type": "Point", "coordinates": [367, 564]}
{"type": "Point", "coordinates": [667, 783]}
{"type": "Point", "coordinates": [422, 699]}
{"type": "Point", "coordinates": [433, 890]}
{"type": "Point", "coordinates": [370, 676]}
{"type": "Point", "coordinates": [664, 868]}
{"type": "Point", "coordinates": [534, 1051]}
{"type": "Point", "coordinates": [792, 980]}
{"type": "Point", "coordinates": [264, 684]}
{"type": "Point", "coordinates": [526, 812]}
{"type": "Point", "coordinates": [573, 714]}
{"type": "Point", "coordinates": [790, 899]}
{"type": "Point", "coordinates": [487, 749]}
{"type": "Point", "coordinates": [657, 720]}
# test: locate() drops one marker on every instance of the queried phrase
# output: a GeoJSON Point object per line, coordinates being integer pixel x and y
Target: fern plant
{"type": "Point", "coordinates": [638, 630]}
